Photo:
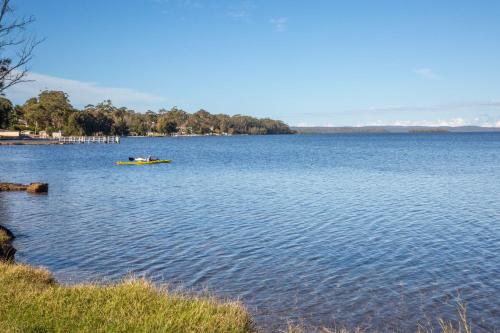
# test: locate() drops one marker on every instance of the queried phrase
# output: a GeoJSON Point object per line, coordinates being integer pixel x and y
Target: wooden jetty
{"type": "Point", "coordinates": [88, 139]}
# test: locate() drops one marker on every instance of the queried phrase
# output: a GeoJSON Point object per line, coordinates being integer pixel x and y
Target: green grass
{"type": "Point", "coordinates": [32, 301]}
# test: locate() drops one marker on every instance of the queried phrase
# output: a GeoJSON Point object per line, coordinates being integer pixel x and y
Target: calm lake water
{"type": "Point", "coordinates": [372, 230]}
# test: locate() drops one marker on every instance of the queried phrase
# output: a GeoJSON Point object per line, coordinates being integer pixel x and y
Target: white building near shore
{"type": "Point", "coordinates": [57, 135]}
{"type": "Point", "coordinates": [9, 134]}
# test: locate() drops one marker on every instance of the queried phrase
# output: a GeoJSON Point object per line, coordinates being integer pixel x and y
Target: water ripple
{"type": "Point", "coordinates": [371, 230]}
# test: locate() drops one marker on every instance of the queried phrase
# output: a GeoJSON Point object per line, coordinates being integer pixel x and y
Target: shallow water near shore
{"type": "Point", "coordinates": [378, 230]}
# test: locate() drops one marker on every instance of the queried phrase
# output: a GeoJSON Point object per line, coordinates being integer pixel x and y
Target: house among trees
{"type": "Point", "coordinates": [57, 135]}
{"type": "Point", "coordinates": [43, 135]}
{"type": "Point", "coordinates": [9, 134]}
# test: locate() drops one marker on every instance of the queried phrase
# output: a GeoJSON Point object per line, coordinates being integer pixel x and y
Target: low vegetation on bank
{"type": "Point", "coordinates": [32, 301]}
{"type": "Point", "coordinates": [52, 111]}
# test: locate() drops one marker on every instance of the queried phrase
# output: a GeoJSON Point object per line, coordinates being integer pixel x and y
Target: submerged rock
{"type": "Point", "coordinates": [7, 251]}
{"type": "Point", "coordinates": [6, 234]}
{"type": "Point", "coordinates": [31, 188]}
{"type": "Point", "coordinates": [38, 188]}
{"type": "Point", "coordinates": [12, 187]}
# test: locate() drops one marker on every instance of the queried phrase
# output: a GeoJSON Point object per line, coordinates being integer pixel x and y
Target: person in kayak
{"type": "Point", "coordinates": [142, 159]}
{"type": "Point", "coordinates": [138, 159]}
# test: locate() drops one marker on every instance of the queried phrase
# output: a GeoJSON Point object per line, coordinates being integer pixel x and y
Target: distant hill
{"type": "Point", "coordinates": [394, 129]}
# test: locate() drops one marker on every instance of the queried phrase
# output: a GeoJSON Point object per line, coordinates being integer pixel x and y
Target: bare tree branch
{"type": "Point", "coordinates": [13, 69]}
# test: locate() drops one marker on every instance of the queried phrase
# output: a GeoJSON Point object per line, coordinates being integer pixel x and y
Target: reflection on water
{"type": "Point", "coordinates": [370, 230]}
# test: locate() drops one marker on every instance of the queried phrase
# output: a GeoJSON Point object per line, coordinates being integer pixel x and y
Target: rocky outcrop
{"type": "Point", "coordinates": [7, 251]}
{"type": "Point", "coordinates": [31, 188]}
{"type": "Point", "coordinates": [12, 187]}
{"type": "Point", "coordinates": [38, 188]}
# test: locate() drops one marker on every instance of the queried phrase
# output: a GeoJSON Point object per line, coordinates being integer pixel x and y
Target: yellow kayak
{"type": "Point", "coordinates": [143, 162]}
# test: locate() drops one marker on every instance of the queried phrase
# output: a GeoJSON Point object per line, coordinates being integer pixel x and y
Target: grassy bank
{"type": "Point", "coordinates": [32, 301]}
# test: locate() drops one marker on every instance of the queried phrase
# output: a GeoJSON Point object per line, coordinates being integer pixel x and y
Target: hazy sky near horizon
{"type": "Point", "coordinates": [309, 63]}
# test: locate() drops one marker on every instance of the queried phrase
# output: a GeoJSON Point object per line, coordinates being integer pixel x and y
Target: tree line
{"type": "Point", "coordinates": [52, 111]}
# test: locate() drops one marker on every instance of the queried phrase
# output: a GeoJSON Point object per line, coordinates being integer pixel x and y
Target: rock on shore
{"type": "Point", "coordinates": [7, 251]}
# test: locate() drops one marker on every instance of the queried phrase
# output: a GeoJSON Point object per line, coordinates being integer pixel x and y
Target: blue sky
{"type": "Point", "coordinates": [305, 62]}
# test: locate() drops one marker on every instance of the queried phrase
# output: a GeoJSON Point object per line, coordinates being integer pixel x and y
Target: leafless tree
{"type": "Point", "coordinates": [16, 50]}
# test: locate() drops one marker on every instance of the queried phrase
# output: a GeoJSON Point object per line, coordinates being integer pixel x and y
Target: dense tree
{"type": "Point", "coordinates": [149, 120]}
{"type": "Point", "coordinates": [81, 123]}
{"type": "Point", "coordinates": [168, 122]}
{"type": "Point", "coordinates": [202, 122]}
{"type": "Point", "coordinates": [137, 125]}
{"type": "Point", "coordinates": [52, 111]}
{"type": "Point", "coordinates": [166, 126]}
{"type": "Point", "coordinates": [49, 111]}
{"type": "Point", "coordinates": [102, 114]}
{"type": "Point", "coordinates": [121, 121]}
{"type": "Point", "coordinates": [104, 123]}
{"type": "Point", "coordinates": [6, 113]}
{"type": "Point", "coordinates": [224, 124]}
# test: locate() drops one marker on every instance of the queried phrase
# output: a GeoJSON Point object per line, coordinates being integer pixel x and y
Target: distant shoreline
{"type": "Point", "coordinates": [298, 130]}
{"type": "Point", "coordinates": [394, 129]}
{"type": "Point", "coordinates": [44, 142]}
{"type": "Point", "coordinates": [18, 142]}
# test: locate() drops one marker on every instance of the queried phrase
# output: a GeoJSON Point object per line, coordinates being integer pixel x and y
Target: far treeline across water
{"type": "Point", "coordinates": [52, 111]}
